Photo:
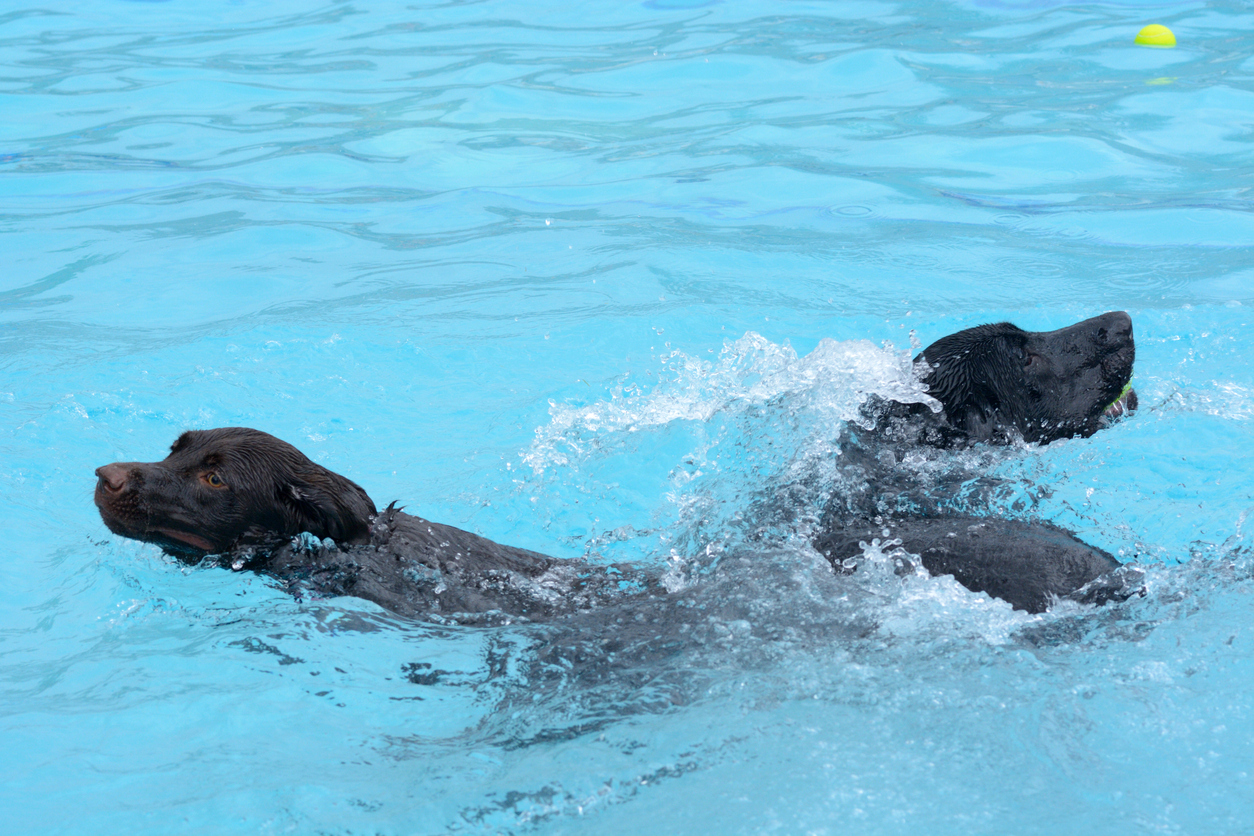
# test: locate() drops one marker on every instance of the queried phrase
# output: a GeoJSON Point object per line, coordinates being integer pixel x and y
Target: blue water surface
{"type": "Point", "coordinates": [594, 279]}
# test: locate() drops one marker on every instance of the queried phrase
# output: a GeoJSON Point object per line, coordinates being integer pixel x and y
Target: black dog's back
{"type": "Point", "coordinates": [1029, 565]}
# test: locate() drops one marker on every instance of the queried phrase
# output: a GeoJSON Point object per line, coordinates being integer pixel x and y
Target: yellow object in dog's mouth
{"type": "Point", "coordinates": [1126, 402]}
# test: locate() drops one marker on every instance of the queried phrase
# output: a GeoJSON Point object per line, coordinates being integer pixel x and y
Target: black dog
{"type": "Point", "coordinates": [995, 384]}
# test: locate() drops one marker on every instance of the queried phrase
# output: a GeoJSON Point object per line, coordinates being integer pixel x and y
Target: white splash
{"type": "Point", "coordinates": [832, 383]}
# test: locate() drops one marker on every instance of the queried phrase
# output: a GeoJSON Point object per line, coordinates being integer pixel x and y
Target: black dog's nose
{"type": "Point", "coordinates": [1116, 326]}
{"type": "Point", "coordinates": [112, 477]}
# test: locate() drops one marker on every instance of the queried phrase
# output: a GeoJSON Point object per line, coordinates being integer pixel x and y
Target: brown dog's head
{"type": "Point", "coordinates": [228, 487]}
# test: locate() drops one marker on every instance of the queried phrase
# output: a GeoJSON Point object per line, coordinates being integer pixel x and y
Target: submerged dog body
{"type": "Point", "coordinates": [422, 569]}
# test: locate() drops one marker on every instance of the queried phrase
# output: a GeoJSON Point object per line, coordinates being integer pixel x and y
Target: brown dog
{"type": "Point", "coordinates": [246, 494]}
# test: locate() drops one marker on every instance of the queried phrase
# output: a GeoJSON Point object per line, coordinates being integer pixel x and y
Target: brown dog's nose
{"type": "Point", "coordinates": [112, 477]}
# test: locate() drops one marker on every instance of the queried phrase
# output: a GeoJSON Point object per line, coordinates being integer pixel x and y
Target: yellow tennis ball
{"type": "Point", "coordinates": [1156, 35]}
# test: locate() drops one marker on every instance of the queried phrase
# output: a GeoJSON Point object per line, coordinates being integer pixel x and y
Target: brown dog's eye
{"type": "Point", "coordinates": [213, 480]}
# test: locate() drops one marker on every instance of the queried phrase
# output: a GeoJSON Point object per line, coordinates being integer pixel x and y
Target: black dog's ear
{"type": "Point", "coordinates": [966, 403]}
{"type": "Point", "coordinates": [971, 406]}
{"type": "Point", "coordinates": [948, 379]}
{"type": "Point", "coordinates": [335, 508]}
{"type": "Point", "coordinates": [968, 371]}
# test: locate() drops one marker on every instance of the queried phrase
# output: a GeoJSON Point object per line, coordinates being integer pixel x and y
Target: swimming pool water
{"type": "Point", "coordinates": [594, 279]}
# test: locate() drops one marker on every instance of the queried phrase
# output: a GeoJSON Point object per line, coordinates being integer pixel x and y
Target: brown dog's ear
{"type": "Point", "coordinates": [327, 505]}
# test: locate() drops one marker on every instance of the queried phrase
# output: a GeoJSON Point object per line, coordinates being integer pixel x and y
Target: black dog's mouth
{"type": "Point", "coordinates": [1122, 405]}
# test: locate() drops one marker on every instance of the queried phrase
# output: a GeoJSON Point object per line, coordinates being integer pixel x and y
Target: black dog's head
{"type": "Point", "coordinates": [998, 382]}
{"type": "Point", "coordinates": [228, 487]}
